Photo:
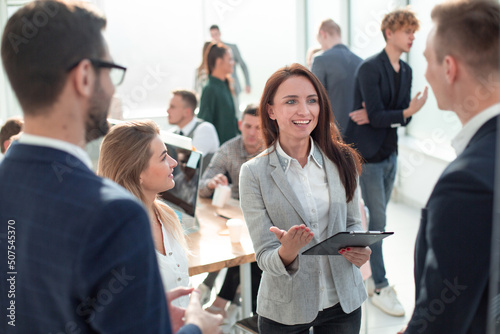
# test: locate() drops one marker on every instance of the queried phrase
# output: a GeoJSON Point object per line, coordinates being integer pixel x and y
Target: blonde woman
{"type": "Point", "coordinates": [134, 156]}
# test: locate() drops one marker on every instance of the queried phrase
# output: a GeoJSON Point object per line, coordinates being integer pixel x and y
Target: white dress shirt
{"type": "Point", "coordinates": [310, 186]}
{"type": "Point", "coordinates": [470, 128]}
{"type": "Point", "coordinates": [205, 138]}
{"type": "Point", "coordinates": [57, 144]}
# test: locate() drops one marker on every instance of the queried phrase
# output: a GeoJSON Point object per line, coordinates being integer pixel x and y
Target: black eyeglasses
{"type": "Point", "coordinates": [116, 73]}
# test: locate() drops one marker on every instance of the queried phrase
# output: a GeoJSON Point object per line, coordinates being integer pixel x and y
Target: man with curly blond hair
{"type": "Point", "coordinates": [382, 104]}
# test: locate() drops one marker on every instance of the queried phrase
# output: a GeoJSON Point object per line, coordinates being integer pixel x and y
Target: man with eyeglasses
{"type": "Point", "coordinates": [77, 251]}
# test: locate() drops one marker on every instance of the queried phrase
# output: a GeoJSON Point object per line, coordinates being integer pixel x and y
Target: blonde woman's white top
{"type": "Point", "coordinates": [173, 266]}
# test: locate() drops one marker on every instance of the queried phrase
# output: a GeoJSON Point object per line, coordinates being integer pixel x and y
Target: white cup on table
{"type": "Point", "coordinates": [235, 226]}
{"type": "Point", "coordinates": [221, 196]}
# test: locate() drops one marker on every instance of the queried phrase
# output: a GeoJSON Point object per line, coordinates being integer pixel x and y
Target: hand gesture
{"type": "Point", "coordinates": [207, 322]}
{"type": "Point", "coordinates": [292, 241]}
{"type": "Point", "coordinates": [356, 255]}
{"type": "Point", "coordinates": [219, 179]}
{"type": "Point", "coordinates": [177, 313]}
{"type": "Point", "coordinates": [416, 104]}
{"type": "Point", "coordinates": [360, 116]}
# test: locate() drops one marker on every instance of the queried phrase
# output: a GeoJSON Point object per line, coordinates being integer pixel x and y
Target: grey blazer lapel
{"type": "Point", "coordinates": [279, 178]}
{"type": "Point", "coordinates": [330, 168]}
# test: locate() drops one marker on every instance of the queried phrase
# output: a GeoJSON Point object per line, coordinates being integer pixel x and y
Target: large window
{"type": "Point", "coordinates": [365, 19]}
{"type": "Point", "coordinates": [161, 44]}
{"type": "Point", "coordinates": [430, 123]}
{"type": "Point", "coordinates": [8, 102]}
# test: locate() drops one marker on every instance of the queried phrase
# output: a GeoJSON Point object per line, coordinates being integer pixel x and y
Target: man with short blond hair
{"type": "Point", "coordinates": [453, 247]}
{"type": "Point", "coordinates": [335, 69]}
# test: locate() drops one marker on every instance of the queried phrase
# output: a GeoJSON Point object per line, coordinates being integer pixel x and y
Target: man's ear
{"type": "Point", "coordinates": [270, 111]}
{"type": "Point", "coordinates": [388, 33]}
{"type": "Point", "coordinates": [6, 145]}
{"type": "Point", "coordinates": [451, 68]}
{"type": "Point", "coordinates": [83, 77]}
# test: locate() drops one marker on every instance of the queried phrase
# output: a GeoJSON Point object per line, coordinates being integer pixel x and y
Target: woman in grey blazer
{"type": "Point", "coordinates": [303, 188]}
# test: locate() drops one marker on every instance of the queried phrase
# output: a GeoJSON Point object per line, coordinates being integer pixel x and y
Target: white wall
{"type": "Point", "coordinates": [420, 163]}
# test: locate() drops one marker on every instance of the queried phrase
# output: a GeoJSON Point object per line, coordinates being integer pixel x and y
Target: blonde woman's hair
{"type": "Point", "coordinates": [124, 155]}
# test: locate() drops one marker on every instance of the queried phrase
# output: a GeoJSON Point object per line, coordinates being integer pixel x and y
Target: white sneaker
{"type": "Point", "coordinates": [370, 286]}
{"type": "Point", "coordinates": [205, 293]}
{"type": "Point", "coordinates": [233, 313]}
{"type": "Point", "coordinates": [388, 302]}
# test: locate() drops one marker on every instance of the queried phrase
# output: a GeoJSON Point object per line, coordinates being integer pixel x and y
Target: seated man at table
{"type": "Point", "coordinates": [226, 163]}
{"type": "Point", "coordinates": [231, 155]}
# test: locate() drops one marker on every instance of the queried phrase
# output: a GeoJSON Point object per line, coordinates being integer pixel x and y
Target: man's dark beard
{"type": "Point", "coordinates": [96, 127]}
{"type": "Point", "coordinates": [96, 124]}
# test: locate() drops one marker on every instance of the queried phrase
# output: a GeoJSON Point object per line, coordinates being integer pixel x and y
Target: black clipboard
{"type": "Point", "coordinates": [340, 240]}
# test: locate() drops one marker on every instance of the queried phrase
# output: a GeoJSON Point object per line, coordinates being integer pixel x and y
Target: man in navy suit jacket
{"type": "Point", "coordinates": [382, 103]}
{"type": "Point", "coordinates": [77, 251]}
{"type": "Point", "coordinates": [335, 69]}
{"type": "Point", "coordinates": [453, 247]}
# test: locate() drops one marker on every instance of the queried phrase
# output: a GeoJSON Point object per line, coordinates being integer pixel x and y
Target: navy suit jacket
{"type": "Point", "coordinates": [335, 69]}
{"type": "Point", "coordinates": [82, 256]}
{"type": "Point", "coordinates": [452, 252]}
{"type": "Point", "coordinates": [374, 85]}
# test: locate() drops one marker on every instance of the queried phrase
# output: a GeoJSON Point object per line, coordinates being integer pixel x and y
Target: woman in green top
{"type": "Point", "coordinates": [216, 105]}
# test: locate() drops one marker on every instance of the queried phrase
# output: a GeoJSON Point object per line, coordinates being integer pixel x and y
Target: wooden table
{"type": "Point", "coordinates": [211, 249]}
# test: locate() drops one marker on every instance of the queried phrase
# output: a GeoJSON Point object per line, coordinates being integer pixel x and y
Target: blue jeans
{"type": "Point", "coordinates": [330, 320]}
{"type": "Point", "coordinates": [377, 181]}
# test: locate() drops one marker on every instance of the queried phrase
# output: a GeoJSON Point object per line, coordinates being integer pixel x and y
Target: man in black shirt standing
{"type": "Point", "coordinates": [382, 104]}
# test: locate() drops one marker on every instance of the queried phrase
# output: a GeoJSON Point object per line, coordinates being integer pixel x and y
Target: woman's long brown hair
{"type": "Point", "coordinates": [326, 134]}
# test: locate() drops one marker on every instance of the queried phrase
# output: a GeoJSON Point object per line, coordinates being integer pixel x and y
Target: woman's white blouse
{"type": "Point", "coordinates": [173, 266]}
{"type": "Point", "coordinates": [311, 188]}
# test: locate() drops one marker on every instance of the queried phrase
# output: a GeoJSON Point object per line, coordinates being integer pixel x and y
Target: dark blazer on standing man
{"type": "Point", "coordinates": [374, 85]}
{"type": "Point", "coordinates": [83, 259]}
{"type": "Point", "coordinates": [452, 252]}
{"type": "Point", "coordinates": [335, 69]}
